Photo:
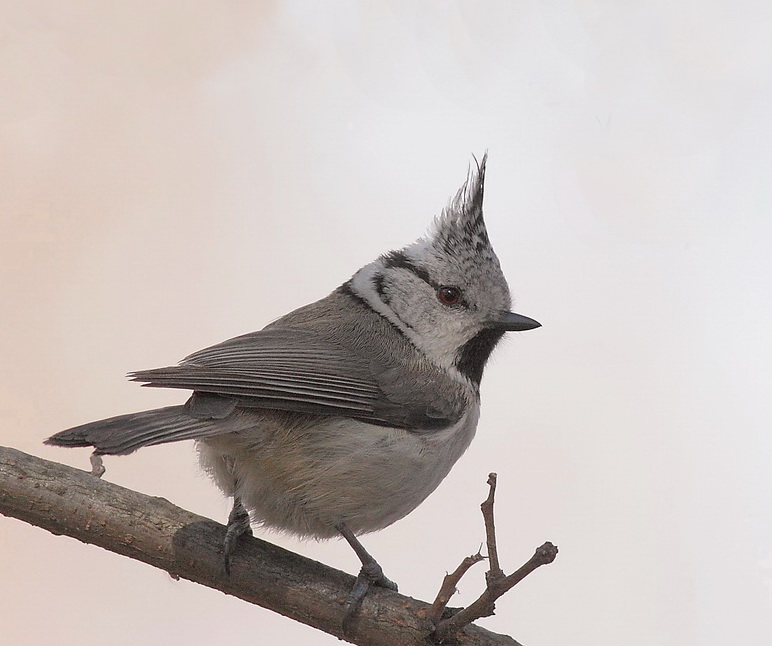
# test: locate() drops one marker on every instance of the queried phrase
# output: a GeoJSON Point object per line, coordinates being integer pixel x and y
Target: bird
{"type": "Point", "coordinates": [341, 417]}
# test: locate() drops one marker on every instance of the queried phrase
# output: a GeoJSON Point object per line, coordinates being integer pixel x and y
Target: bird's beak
{"type": "Point", "coordinates": [511, 322]}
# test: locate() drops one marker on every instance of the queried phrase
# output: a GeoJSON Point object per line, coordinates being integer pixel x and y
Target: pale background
{"type": "Point", "coordinates": [176, 173]}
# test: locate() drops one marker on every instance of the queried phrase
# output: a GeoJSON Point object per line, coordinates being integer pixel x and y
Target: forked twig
{"type": "Point", "coordinates": [497, 582]}
{"type": "Point", "coordinates": [448, 588]}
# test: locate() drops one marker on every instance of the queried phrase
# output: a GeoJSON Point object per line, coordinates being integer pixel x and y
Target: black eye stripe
{"type": "Point", "coordinates": [401, 261]}
{"type": "Point", "coordinates": [380, 289]}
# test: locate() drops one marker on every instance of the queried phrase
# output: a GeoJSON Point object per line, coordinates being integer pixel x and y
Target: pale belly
{"type": "Point", "coordinates": [307, 476]}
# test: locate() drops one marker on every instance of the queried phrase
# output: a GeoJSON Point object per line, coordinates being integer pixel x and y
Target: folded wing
{"type": "Point", "coordinates": [297, 370]}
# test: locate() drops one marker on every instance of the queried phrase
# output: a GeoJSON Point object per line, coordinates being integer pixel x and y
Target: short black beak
{"type": "Point", "coordinates": [512, 322]}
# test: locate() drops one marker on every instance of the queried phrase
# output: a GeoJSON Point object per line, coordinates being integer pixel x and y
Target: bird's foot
{"type": "Point", "coordinates": [97, 465]}
{"type": "Point", "coordinates": [371, 574]}
{"type": "Point", "coordinates": [238, 524]}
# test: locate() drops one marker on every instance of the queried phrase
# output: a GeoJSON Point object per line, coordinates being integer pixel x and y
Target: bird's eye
{"type": "Point", "coordinates": [449, 295]}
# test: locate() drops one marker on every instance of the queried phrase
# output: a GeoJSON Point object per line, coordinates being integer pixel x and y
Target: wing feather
{"type": "Point", "coordinates": [286, 369]}
{"type": "Point", "coordinates": [303, 370]}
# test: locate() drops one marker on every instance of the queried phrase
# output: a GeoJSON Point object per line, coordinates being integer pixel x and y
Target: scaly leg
{"type": "Point", "coordinates": [370, 574]}
{"type": "Point", "coordinates": [238, 524]}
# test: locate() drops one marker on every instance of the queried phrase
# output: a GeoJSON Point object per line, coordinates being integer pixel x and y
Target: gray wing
{"type": "Point", "coordinates": [295, 369]}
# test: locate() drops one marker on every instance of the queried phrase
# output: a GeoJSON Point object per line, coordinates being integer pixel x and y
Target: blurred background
{"type": "Point", "coordinates": [176, 173]}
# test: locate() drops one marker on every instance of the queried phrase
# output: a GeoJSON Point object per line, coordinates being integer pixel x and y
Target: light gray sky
{"type": "Point", "coordinates": [176, 173]}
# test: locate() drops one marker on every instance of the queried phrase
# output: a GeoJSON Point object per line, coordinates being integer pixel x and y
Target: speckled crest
{"type": "Point", "coordinates": [461, 224]}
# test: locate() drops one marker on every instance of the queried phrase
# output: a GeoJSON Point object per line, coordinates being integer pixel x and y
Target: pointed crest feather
{"type": "Point", "coordinates": [461, 223]}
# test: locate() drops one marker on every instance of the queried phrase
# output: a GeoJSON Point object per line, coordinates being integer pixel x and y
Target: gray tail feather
{"type": "Point", "coordinates": [127, 433]}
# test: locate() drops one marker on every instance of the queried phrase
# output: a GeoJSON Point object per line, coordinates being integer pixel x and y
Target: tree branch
{"type": "Point", "coordinates": [67, 501]}
{"type": "Point", "coordinates": [448, 588]}
{"type": "Point", "coordinates": [497, 583]}
{"type": "Point", "coordinates": [494, 569]}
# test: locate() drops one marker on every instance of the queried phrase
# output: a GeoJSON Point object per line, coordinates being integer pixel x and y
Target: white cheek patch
{"type": "Point", "coordinates": [363, 285]}
{"type": "Point", "coordinates": [438, 346]}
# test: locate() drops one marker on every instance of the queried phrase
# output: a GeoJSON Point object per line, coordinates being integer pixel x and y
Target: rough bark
{"type": "Point", "coordinates": [75, 503]}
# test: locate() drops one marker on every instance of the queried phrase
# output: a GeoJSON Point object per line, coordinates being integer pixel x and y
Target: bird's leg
{"type": "Point", "coordinates": [370, 574]}
{"type": "Point", "coordinates": [97, 466]}
{"type": "Point", "coordinates": [238, 524]}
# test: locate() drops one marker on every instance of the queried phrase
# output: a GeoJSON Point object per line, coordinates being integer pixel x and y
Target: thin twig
{"type": "Point", "coordinates": [448, 588]}
{"type": "Point", "coordinates": [543, 555]}
{"type": "Point", "coordinates": [485, 603]}
{"type": "Point", "coordinates": [497, 583]}
{"type": "Point", "coordinates": [494, 569]}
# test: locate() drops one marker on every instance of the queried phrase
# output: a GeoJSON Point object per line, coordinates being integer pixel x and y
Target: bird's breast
{"type": "Point", "coordinates": [305, 478]}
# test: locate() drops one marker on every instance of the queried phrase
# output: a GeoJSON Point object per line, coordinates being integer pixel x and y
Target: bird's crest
{"type": "Point", "coordinates": [461, 224]}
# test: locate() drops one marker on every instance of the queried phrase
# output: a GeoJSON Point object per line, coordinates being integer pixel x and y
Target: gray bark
{"type": "Point", "coordinates": [75, 503]}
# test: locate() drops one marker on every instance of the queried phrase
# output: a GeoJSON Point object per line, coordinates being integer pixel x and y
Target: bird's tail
{"type": "Point", "coordinates": [127, 433]}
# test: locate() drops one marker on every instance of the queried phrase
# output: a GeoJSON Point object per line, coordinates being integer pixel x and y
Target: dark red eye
{"type": "Point", "coordinates": [449, 295]}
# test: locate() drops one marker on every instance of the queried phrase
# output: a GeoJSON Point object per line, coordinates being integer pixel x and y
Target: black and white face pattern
{"type": "Point", "coordinates": [445, 290]}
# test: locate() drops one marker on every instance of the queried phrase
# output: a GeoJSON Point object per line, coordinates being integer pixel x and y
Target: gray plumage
{"type": "Point", "coordinates": [348, 412]}
{"type": "Point", "coordinates": [333, 357]}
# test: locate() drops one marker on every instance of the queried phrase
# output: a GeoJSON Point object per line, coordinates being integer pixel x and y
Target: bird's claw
{"type": "Point", "coordinates": [371, 574]}
{"type": "Point", "coordinates": [238, 524]}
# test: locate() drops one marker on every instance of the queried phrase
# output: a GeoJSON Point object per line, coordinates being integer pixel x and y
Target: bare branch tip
{"type": "Point", "coordinates": [546, 553]}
